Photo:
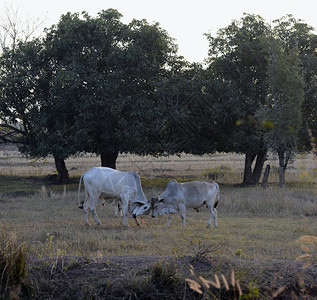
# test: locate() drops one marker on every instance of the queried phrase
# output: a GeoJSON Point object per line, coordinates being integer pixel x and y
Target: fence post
{"type": "Point", "coordinates": [44, 192]}
{"type": "Point", "coordinates": [266, 177]}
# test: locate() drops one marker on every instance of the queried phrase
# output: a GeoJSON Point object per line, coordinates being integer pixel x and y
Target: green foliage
{"type": "Point", "coordinates": [165, 275]}
{"type": "Point", "coordinates": [13, 256]}
{"type": "Point", "coordinates": [295, 34]}
{"type": "Point", "coordinates": [253, 292]}
{"type": "Point", "coordinates": [283, 106]}
{"type": "Point", "coordinates": [88, 85]}
{"type": "Point", "coordinates": [217, 172]}
{"type": "Point", "coordinates": [238, 252]}
{"type": "Point", "coordinates": [238, 60]}
{"type": "Point", "coordinates": [157, 182]}
{"type": "Point", "coordinates": [98, 85]}
{"type": "Point", "coordinates": [110, 74]}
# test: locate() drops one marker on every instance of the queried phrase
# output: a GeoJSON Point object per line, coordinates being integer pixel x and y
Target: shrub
{"type": "Point", "coordinates": [13, 254]}
{"type": "Point", "coordinates": [201, 248]}
{"type": "Point", "coordinates": [165, 275]}
{"type": "Point", "coordinates": [217, 172]}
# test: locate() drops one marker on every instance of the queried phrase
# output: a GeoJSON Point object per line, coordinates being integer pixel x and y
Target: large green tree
{"type": "Point", "coordinates": [282, 112]}
{"type": "Point", "coordinates": [238, 67]}
{"type": "Point", "coordinates": [296, 34]}
{"type": "Point", "coordinates": [25, 97]}
{"type": "Point", "coordinates": [108, 72]}
{"type": "Point", "coordinates": [91, 85]}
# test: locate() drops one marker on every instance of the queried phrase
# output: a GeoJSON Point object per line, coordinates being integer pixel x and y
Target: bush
{"type": "Point", "coordinates": [217, 172]}
{"type": "Point", "coordinates": [165, 275]}
{"type": "Point", "coordinates": [13, 257]}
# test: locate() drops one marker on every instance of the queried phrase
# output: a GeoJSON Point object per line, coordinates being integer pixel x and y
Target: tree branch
{"type": "Point", "coordinates": [10, 134]}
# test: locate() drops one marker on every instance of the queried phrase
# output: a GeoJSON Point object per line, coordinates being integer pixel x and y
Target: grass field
{"type": "Point", "coordinates": [265, 225]}
{"type": "Point", "coordinates": [254, 224]}
{"type": "Point", "coordinates": [302, 169]}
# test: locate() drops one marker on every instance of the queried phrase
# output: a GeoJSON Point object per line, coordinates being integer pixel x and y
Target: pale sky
{"type": "Point", "coordinates": [186, 21]}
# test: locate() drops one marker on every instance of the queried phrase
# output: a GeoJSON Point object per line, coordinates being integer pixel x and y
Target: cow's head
{"type": "Point", "coordinates": [161, 206]}
{"type": "Point", "coordinates": [156, 205]}
{"type": "Point", "coordinates": [142, 209]}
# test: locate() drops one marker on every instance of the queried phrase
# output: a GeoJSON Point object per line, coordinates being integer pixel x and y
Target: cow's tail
{"type": "Point", "coordinates": [80, 203]}
{"type": "Point", "coordinates": [218, 194]}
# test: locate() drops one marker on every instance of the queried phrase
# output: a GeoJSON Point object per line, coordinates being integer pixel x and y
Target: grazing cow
{"type": "Point", "coordinates": [107, 183]}
{"type": "Point", "coordinates": [179, 196]}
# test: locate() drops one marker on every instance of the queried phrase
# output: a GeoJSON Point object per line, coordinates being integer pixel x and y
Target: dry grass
{"type": "Point", "coordinates": [255, 225]}
{"type": "Point", "coordinates": [252, 222]}
{"type": "Point", "coordinates": [13, 256]}
{"type": "Point", "coordinates": [55, 225]}
{"type": "Point", "coordinates": [303, 169]}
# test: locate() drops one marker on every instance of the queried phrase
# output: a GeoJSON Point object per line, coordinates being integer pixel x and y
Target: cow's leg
{"type": "Point", "coordinates": [182, 210]}
{"type": "Point", "coordinates": [91, 204]}
{"type": "Point", "coordinates": [214, 211]}
{"type": "Point", "coordinates": [85, 209]}
{"type": "Point", "coordinates": [94, 213]}
{"type": "Point", "coordinates": [213, 215]}
{"type": "Point", "coordinates": [168, 220]}
{"type": "Point", "coordinates": [125, 210]}
{"type": "Point", "coordinates": [115, 207]}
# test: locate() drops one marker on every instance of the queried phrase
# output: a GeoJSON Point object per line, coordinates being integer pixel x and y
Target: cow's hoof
{"type": "Point", "coordinates": [208, 226]}
{"type": "Point", "coordinates": [87, 225]}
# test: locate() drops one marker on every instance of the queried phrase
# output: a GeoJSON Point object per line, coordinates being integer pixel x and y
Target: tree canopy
{"type": "Point", "coordinates": [97, 85]}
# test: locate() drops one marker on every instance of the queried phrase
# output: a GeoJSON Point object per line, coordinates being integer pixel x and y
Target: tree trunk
{"type": "Point", "coordinates": [266, 177]}
{"type": "Point", "coordinates": [260, 160]}
{"type": "Point", "coordinates": [108, 159]}
{"type": "Point", "coordinates": [283, 162]}
{"type": "Point", "coordinates": [252, 177]}
{"type": "Point", "coordinates": [247, 176]}
{"type": "Point", "coordinates": [62, 172]}
{"type": "Point", "coordinates": [281, 176]}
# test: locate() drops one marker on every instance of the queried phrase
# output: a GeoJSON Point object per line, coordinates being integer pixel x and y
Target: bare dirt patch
{"type": "Point", "coordinates": [154, 277]}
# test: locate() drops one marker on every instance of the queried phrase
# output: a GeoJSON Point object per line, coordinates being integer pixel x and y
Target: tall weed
{"type": "Point", "coordinates": [13, 255]}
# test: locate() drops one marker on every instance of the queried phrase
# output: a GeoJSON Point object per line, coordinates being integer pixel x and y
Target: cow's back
{"type": "Point", "coordinates": [195, 193]}
{"type": "Point", "coordinates": [102, 179]}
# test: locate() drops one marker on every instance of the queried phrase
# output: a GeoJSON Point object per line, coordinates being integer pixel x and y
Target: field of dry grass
{"type": "Point", "coordinates": [262, 223]}
{"type": "Point", "coordinates": [257, 237]}
{"type": "Point", "coordinates": [256, 227]}
{"type": "Point", "coordinates": [302, 169]}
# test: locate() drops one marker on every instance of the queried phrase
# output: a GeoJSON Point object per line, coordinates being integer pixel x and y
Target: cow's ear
{"type": "Point", "coordinates": [139, 202]}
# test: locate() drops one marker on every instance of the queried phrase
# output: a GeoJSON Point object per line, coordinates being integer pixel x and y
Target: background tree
{"type": "Point", "coordinates": [13, 30]}
{"type": "Point", "coordinates": [22, 73]}
{"type": "Point", "coordinates": [90, 89]}
{"type": "Point", "coordinates": [282, 112]}
{"type": "Point", "coordinates": [25, 102]}
{"type": "Point", "coordinates": [116, 68]}
{"type": "Point", "coordinates": [238, 65]}
{"type": "Point", "coordinates": [292, 34]}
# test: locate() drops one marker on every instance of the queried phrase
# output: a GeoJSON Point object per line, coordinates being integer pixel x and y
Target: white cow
{"type": "Point", "coordinates": [107, 183]}
{"type": "Point", "coordinates": [179, 196]}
